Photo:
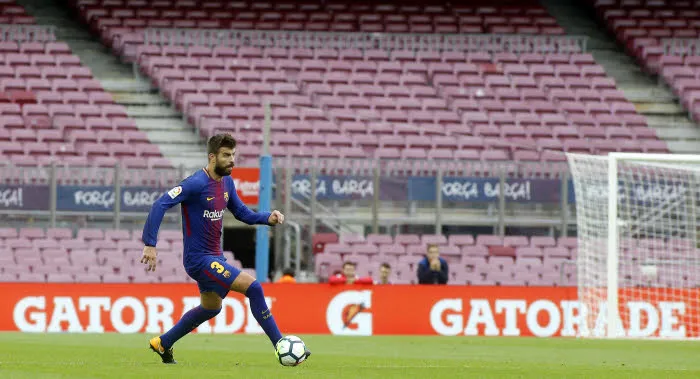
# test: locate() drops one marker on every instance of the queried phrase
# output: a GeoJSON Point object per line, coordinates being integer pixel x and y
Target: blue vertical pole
{"type": "Point", "coordinates": [262, 236]}
{"type": "Point", "coordinates": [262, 244]}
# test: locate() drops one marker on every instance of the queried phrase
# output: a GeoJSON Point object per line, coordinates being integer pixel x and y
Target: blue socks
{"type": "Point", "coordinates": [262, 313]}
{"type": "Point", "coordinates": [189, 321]}
{"type": "Point", "coordinates": [196, 316]}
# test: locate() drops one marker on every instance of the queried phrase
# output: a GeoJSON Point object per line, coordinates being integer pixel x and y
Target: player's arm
{"type": "Point", "coordinates": [155, 216]}
{"type": "Point", "coordinates": [424, 274]}
{"type": "Point", "coordinates": [246, 215]}
{"type": "Point", "coordinates": [443, 273]}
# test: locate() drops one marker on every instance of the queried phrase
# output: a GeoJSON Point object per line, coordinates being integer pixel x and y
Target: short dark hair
{"type": "Point", "coordinates": [430, 246]}
{"type": "Point", "coordinates": [385, 265]}
{"type": "Point", "coordinates": [218, 141]}
{"type": "Point", "coordinates": [289, 271]}
{"type": "Point", "coordinates": [349, 263]}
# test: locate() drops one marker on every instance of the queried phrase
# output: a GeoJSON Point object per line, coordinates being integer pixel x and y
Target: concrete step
{"type": "Point", "coordinates": [173, 136]}
{"type": "Point", "coordinates": [130, 85]}
{"type": "Point", "coordinates": [604, 55]}
{"type": "Point", "coordinates": [684, 147]}
{"type": "Point", "coordinates": [163, 124]}
{"type": "Point", "coordinates": [139, 98]}
{"type": "Point", "coordinates": [190, 162]}
{"type": "Point", "coordinates": [646, 94]}
{"type": "Point", "coordinates": [682, 133]}
{"type": "Point", "coordinates": [629, 77]}
{"type": "Point", "coordinates": [670, 121]}
{"type": "Point", "coordinates": [186, 152]}
{"type": "Point", "coordinates": [90, 45]}
{"type": "Point", "coordinates": [660, 108]}
{"type": "Point", "coordinates": [152, 111]}
{"type": "Point", "coordinates": [188, 157]}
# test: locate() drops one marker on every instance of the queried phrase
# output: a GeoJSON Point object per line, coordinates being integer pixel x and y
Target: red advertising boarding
{"type": "Point", "coordinates": [247, 181]}
{"type": "Point", "coordinates": [342, 310]}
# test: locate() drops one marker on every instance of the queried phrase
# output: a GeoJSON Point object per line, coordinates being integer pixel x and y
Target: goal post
{"type": "Point", "coordinates": [638, 259]}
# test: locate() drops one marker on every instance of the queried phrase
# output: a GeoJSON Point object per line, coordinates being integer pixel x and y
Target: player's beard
{"type": "Point", "coordinates": [223, 170]}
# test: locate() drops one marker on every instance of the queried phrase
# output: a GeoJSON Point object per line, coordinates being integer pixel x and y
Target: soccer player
{"type": "Point", "coordinates": [203, 197]}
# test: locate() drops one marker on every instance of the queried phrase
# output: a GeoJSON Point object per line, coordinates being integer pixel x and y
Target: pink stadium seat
{"type": "Point", "coordinates": [407, 239]}
{"type": "Point", "coordinates": [59, 233]}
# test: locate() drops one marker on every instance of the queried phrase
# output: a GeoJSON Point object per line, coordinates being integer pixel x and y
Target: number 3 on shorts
{"type": "Point", "coordinates": [218, 267]}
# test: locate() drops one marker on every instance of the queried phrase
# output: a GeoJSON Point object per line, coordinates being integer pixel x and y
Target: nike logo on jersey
{"type": "Point", "coordinates": [210, 198]}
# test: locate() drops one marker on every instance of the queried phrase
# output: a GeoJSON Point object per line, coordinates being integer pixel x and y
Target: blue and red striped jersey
{"type": "Point", "coordinates": [203, 201]}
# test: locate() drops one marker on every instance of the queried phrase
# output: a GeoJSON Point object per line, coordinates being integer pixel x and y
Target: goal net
{"type": "Point", "coordinates": [638, 261]}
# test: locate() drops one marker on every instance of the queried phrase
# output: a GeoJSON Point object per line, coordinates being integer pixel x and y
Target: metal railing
{"type": "Point", "coordinates": [492, 43]}
{"type": "Point", "coordinates": [27, 33]}
{"type": "Point", "coordinates": [681, 46]}
{"type": "Point", "coordinates": [350, 195]}
{"type": "Point", "coordinates": [296, 228]}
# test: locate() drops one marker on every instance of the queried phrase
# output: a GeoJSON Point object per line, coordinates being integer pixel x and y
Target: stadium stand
{"type": "Point", "coordinates": [94, 255]}
{"type": "Point", "coordinates": [91, 255]}
{"type": "Point", "coordinates": [15, 14]}
{"type": "Point", "coordinates": [386, 102]}
{"type": "Point", "coordinates": [55, 111]}
{"type": "Point", "coordinates": [351, 103]}
{"type": "Point", "coordinates": [322, 100]}
{"type": "Point", "coordinates": [486, 259]}
{"type": "Point", "coordinates": [120, 24]}
{"type": "Point", "coordinates": [662, 37]}
{"type": "Point", "coordinates": [642, 26]}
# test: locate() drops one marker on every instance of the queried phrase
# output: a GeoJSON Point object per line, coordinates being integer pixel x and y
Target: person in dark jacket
{"type": "Point", "coordinates": [432, 269]}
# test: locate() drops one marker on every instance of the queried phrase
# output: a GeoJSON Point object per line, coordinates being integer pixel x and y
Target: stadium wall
{"type": "Point", "coordinates": [337, 310]}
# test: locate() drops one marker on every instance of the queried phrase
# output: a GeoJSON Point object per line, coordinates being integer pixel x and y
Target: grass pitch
{"type": "Point", "coordinates": [241, 356]}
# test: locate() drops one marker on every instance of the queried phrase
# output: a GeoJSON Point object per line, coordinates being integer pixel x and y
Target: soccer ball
{"type": "Point", "coordinates": [290, 351]}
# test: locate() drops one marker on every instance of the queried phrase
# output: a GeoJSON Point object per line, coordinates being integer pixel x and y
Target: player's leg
{"type": "Point", "coordinates": [209, 308]}
{"type": "Point", "coordinates": [252, 289]}
{"type": "Point", "coordinates": [211, 293]}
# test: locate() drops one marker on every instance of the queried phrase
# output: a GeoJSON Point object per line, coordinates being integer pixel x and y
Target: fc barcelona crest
{"type": "Point", "coordinates": [226, 196]}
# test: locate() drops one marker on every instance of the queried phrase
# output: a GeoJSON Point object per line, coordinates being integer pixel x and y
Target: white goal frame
{"type": "Point", "coordinates": [614, 322]}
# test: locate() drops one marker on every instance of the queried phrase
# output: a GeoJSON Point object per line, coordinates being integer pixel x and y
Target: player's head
{"type": "Point", "coordinates": [221, 149]}
{"type": "Point", "coordinates": [349, 269]}
{"type": "Point", "coordinates": [433, 252]}
{"type": "Point", "coordinates": [384, 272]}
{"type": "Point", "coordinates": [289, 272]}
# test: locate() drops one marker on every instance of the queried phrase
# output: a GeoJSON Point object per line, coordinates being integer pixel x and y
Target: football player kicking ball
{"type": "Point", "coordinates": [204, 196]}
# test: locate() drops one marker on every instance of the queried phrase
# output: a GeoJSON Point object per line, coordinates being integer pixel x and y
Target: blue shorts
{"type": "Point", "coordinates": [212, 273]}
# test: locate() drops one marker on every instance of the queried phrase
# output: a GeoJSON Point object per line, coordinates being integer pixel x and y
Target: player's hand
{"type": "Point", "coordinates": [435, 265]}
{"type": "Point", "coordinates": [149, 257]}
{"type": "Point", "coordinates": [276, 217]}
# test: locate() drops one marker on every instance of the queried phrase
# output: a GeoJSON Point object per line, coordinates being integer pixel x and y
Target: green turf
{"type": "Point", "coordinates": [238, 356]}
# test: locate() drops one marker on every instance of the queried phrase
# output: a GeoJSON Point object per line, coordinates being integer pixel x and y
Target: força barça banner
{"type": "Point", "coordinates": [103, 198]}
{"type": "Point", "coordinates": [454, 189]}
{"type": "Point", "coordinates": [475, 189]}
{"type": "Point", "coordinates": [340, 310]}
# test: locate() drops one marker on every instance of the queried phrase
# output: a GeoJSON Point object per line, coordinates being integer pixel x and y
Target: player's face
{"type": "Point", "coordinates": [224, 161]}
{"type": "Point", "coordinates": [433, 253]}
{"type": "Point", "coordinates": [384, 272]}
{"type": "Point", "coordinates": [349, 271]}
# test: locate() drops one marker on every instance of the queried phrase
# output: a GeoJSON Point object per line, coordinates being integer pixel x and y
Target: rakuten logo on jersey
{"type": "Point", "coordinates": [214, 215]}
